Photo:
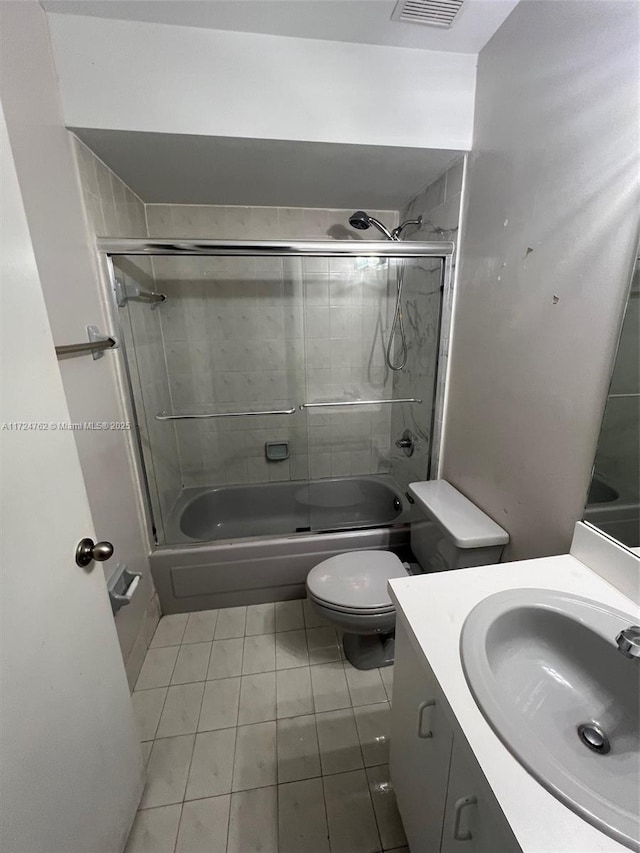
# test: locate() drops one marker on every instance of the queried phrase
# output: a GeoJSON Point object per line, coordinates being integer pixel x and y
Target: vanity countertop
{"type": "Point", "coordinates": [436, 606]}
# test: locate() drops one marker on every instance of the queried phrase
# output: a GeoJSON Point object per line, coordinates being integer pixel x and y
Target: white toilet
{"type": "Point", "coordinates": [350, 590]}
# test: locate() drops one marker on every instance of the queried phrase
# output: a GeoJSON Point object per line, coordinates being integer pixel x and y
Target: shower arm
{"type": "Point", "coordinates": [383, 228]}
{"type": "Point", "coordinates": [395, 234]}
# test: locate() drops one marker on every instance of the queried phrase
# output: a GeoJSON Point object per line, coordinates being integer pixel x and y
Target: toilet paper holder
{"type": "Point", "coordinates": [122, 586]}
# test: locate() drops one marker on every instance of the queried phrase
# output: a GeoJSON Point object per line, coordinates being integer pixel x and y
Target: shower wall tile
{"type": "Point", "coordinates": [113, 210]}
{"type": "Point", "coordinates": [245, 333]}
{"type": "Point", "coordinates": [440, 206]}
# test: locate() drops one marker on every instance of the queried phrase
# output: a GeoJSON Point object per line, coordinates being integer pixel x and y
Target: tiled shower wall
{"type": "Point", "coordinates": [440, 206]}
{"type": "Point", "coordinates": [265, 333]}
{"type": "Point", "coordinates": [115, 211]}
{"type": "Point", "coordinates": [618, 453]}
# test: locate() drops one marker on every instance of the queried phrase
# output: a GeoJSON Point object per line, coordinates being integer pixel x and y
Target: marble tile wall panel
{"type": "Point", "coordinates": [440, 206]}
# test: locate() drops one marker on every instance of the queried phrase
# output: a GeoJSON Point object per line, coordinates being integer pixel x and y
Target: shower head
{"type": "Point", "coordinates": [361, 220]}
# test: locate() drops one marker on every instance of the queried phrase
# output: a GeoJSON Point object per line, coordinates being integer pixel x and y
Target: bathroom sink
{"type": "Point", "coordinates": [544, 669]}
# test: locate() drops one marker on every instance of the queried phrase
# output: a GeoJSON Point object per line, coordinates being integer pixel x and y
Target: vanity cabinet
{"type": "Point", "coordinates": [421, 741]}
{"type": "Point", "coordinates": [473, 820]}
{"type": "Point", "coordinates": [447, 805]}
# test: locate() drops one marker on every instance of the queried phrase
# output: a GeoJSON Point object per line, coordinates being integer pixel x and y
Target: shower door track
{"type": "Point", "coordinates": [277, 248]}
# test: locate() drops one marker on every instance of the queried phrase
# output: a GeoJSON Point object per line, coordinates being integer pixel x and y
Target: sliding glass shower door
{"type": "Point", "coordinates": [357, 407]}
{"type": "Point", "coordinates": [255, 369]}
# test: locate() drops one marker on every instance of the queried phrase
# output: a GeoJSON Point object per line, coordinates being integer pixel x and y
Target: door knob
{"type": "Point", "coordinates": [88, 551]}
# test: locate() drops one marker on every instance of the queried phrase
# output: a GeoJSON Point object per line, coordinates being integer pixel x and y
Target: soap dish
{"type": "Point", "coordinates": [276, 451]}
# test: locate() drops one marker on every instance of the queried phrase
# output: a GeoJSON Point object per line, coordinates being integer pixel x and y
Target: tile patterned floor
{"type": "Point", "coordinates": [260, 738]}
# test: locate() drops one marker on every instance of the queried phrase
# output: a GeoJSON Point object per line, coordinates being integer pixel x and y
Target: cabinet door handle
{"type": "Point", "coordinates": [459, 807]}
{"type": "Point", "coordinates": [429, 703]}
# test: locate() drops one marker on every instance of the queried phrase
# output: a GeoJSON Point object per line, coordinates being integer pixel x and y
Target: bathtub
{"type": "Point", "coordinates": [249, 544]}
{"type": "Point", "coordinates": [617, 515]}
{"type": "Point", "coordinates": [618, 518]}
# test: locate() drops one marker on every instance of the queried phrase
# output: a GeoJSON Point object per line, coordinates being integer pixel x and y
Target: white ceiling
{"type": "Point", "coordinates": [359, 21]}
{"type": "Point", "coordinates": [184, 169]}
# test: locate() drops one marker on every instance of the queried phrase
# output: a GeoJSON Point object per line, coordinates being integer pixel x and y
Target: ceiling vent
{"type": "Point", "coordinates": [434, 13]}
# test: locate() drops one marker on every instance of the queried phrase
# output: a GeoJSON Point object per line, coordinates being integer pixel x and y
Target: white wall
{"type": "Point", "coordinates": [42, 149]}
{"type": "Point", "coordinates": [151, 77]}
{"type": "Point", "coordinates": [547, 253]}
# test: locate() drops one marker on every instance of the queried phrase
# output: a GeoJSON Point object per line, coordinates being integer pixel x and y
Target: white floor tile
{"type": "Point", "coordinates": [386, 673]}
{"type": "Point", "coordinates": [253, 822]}
{"type": "Point", "coordinates": [329, 684]}
{"type": "Point", "coordinates": [167, 771]}
{"type": "Point", "coordinates": [154, 831]}
{"type": "Point", "coordinates": [385, 807]}
{"type": "Point", "coordinates": [181, 710]}
{"type": "Point", "coordinates": [170, 630]}
{"type": "Point", "coordinates": [192, 663]}
{"type": "Point", "coordinates": [312, 619]}
{"type": "Point", "coordinates": [255, 763]}
{"type": "Point", "coordinates": [293, 692]}
{"type": "Point", "coordinates": [147, 707]}
{"type": "Point", "coordinates": [211, 770]}
{"type": "Point", "coordinates": [301, 818]}
{"type": "Point", "coordinates": [230, 623]}
{"type": "Point", "coordinates": [261, 619]}
{"type": "Point", "coordinates": [365, 685]}
{"type": "Point", "coordinates": [157, 668]}
{"type": "Point", "coordinates": [291, 649]}
{"type": "Point", "coordinates": [259, 654]}
{"type": "Point", "coordinates": [323, 645]}
{"type": "Point", "coordinates": [338, 741]}
{"type": "Point", "coordinates": [373, 723]}
{"type": "Point", "coordinates": [226, 659]}
{"type": "Point", "coordinates": [204, 825]}
{"type": "Point", "coordinates": [220, 704]}
{"type": "Point", "coordinates": [200, 627]}
{"type": "Point", "coordinates": [298, 753]}
{"type": "Point", "coordinates": [352, 825]}
{"type": "Point", "coordinates": [289, 615]}
{"type": "Point", "coordinates": [257, 698]}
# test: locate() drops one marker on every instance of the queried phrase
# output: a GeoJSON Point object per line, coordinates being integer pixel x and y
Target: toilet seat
{"type": "Point", "coordinates": [356, 582]}
{"type": "Point", "coordinates": [353, 611]}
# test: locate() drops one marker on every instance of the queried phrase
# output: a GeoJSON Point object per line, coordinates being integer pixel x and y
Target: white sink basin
{"type": "Point", "coordinates": [546, 673]}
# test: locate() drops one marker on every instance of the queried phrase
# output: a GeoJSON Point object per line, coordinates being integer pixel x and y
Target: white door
{"type": "Point", "coordinates": [70, 764]}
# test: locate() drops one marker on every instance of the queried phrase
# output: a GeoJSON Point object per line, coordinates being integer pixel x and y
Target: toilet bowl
{"type": "Point", "coordinates": [350, 590]}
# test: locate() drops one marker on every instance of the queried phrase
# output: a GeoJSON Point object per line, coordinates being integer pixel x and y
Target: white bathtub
{"type": "Point", "coordinates": [256, 543]}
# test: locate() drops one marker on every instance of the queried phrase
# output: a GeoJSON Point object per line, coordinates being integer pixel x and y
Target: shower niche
{"type": "Point", "coordinates": [233, 347]}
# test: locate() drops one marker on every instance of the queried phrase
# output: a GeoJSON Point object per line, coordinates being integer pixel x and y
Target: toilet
{"type": "Point", "coordinates": [350, 590]}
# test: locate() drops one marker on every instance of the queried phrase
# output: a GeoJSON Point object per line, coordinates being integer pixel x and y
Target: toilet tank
{"type": "Point", "coordinates": [450, 532]}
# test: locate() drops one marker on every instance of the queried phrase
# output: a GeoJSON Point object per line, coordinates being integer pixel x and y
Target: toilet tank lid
{"type": "Point", "coordinates": [465, 524]}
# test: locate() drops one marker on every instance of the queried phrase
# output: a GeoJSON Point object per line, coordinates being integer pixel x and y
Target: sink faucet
{"type": "Point", "coordinates": [629, 642]}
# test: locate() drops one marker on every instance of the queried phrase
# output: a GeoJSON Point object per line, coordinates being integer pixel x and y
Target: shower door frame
{"type": "Point", "coordinates": [108, 248]}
